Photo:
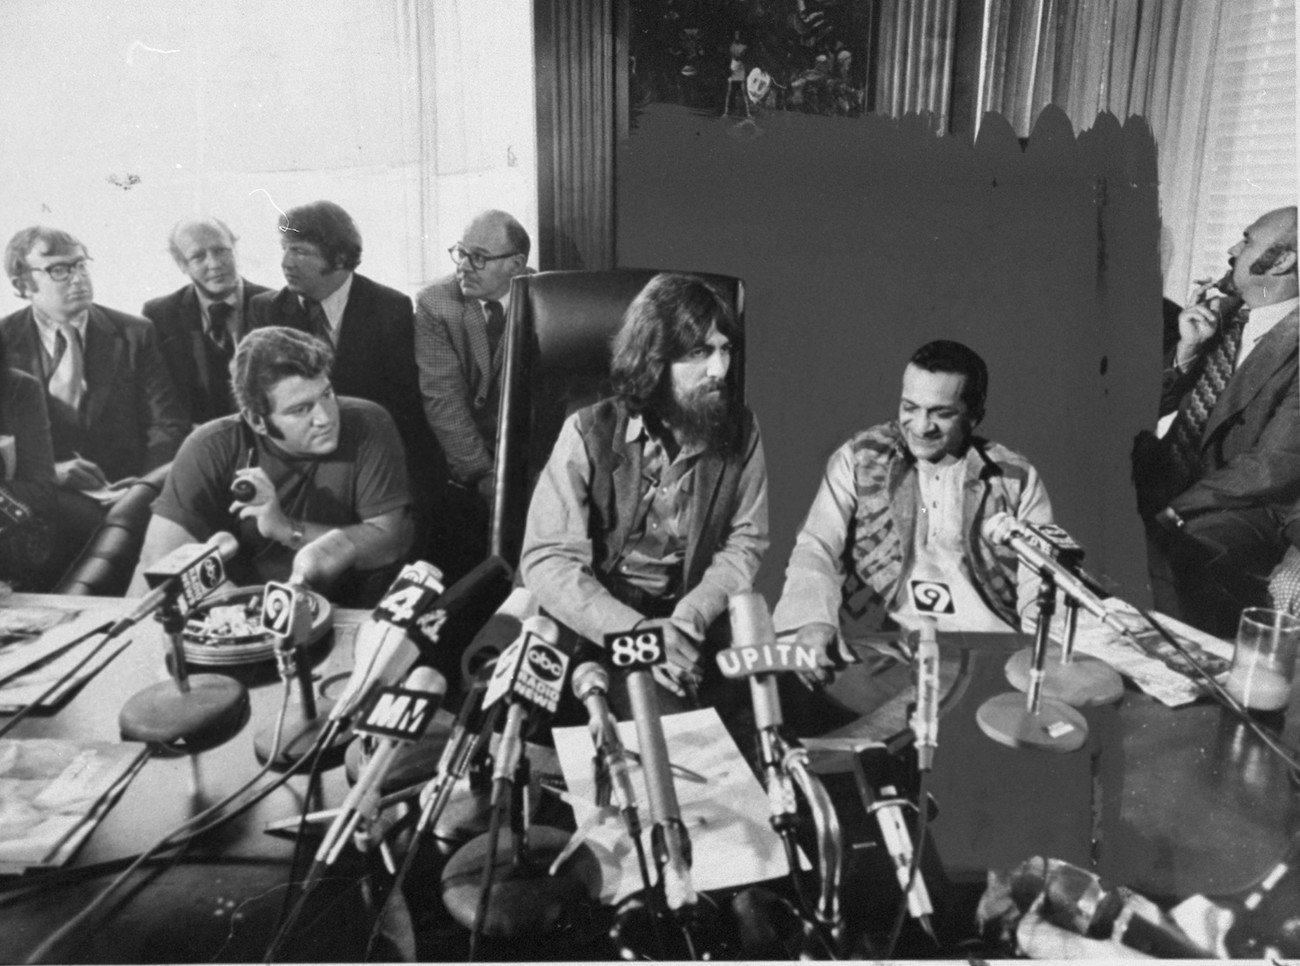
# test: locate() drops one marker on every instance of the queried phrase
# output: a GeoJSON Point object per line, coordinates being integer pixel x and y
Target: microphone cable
{"type": "Point", "coordinates": [922, 826]}
{"type": "Point", "coordinates": [180, 838]}
{"type": "Point", "coordinates": [67, 675]}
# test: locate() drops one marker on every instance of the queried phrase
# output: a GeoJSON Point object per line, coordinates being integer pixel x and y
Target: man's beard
{"type": "Point", "coordinates": [704, 418]}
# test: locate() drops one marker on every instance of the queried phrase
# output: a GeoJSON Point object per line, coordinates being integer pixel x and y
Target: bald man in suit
{"type": "Point", "coordinates": [460, 351]}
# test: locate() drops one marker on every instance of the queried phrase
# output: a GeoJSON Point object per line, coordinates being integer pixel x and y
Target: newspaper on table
{"type": "Point", "coordinates": [724, 808]}
{"type": "Point", "coordinates": [31, 633]}
{"type": "Point", "coordinates": [1154, 665]}
{"type": "Point", "coordinates": [53, 792]}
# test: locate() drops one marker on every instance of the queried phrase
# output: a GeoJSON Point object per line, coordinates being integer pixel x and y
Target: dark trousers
{"type": "Point", "coordinates": [1218, 564]}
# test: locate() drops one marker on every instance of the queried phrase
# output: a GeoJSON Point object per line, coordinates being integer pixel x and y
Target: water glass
{"type": "Point", "coordinates": [1264, 660]}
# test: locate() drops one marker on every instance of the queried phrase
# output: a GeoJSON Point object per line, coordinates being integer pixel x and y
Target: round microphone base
{"type": "Point", "coordinates": [298, 737]}
{"type": "Point", "coordinates": [1056, 726]}
{"type": "Point", "coordinates": [211, 712]}
{"type": "Point", "coordinates": [526, 900]}
{"type": "Point", "coordinates": [1084, 682]}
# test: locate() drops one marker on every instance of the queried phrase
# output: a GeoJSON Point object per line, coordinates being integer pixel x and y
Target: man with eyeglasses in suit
{"type": "Point", "coordinates": [460, 352]}
{"type": "Point", "coordinates": [114, 412]}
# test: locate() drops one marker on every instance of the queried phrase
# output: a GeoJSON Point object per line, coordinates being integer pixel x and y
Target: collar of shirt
{"type": "Point", "coordinates": [334, 304]}
{"type": "Point", "coordinates": [48, 329]}
{"type": "Point", "coordinates": [235, 299]}
{"type": "Point", "coordinates": [1261, 322]}
{"type": "Point", "coordinates": [637, 430]}
{"type": "Point", "coordinates": [505, 304]}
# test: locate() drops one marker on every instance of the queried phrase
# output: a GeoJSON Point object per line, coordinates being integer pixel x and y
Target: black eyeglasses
{"type": "Point", "coordinates": [459, 253]}
{"type": "Point", "coordinates": [62, 271]}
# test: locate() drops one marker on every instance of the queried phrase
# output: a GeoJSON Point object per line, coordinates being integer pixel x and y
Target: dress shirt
{"type": "Point", "coordinates": [656, 551]}
{"type": "Point", "coordinates": [334, 305]}
{"type": "Point", "coordinates": [557, 552]}
{"type": "Point", "coordinates": [48, 330]}
{"type": "Point", "coordinates": [937, 552]}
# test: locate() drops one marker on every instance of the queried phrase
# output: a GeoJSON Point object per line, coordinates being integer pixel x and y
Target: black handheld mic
{"type": "Point", "coordinates": [191, 572]}
{"type": "Point", "coordinates": [1003, 528]}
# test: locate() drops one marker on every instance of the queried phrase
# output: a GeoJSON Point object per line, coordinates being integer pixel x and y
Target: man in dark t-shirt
{"type": "Point", "coordinates": [315, 462]}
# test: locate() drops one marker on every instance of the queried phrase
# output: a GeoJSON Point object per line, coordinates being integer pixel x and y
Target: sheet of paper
{"type": "Point", "coordinates": [1148, 672]}
{"type": "Point", "coordinates": [726, 814]}
{"type": "Point", "coordinates": [29, 634]}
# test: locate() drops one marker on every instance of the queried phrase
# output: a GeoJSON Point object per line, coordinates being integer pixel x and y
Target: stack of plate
{"type": "Point", "coordinates": [202, 647]}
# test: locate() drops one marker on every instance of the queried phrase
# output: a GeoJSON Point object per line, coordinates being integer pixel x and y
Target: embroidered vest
{"type": "Point", "coordinates": [879, 546]}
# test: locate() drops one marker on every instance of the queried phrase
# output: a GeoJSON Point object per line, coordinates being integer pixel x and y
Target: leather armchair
{"type": "Point", "coordinates": [557, 360]}
{"type": "Point", "coordinates": [105, 566]}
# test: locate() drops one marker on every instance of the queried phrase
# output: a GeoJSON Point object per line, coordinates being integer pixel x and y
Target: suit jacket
{"type": "Point", "coordinates": [178, 317]}
{"type": "Point", "coordinates": [373, 360]}
{"type": "Point", "coordinates": [131, 419]}
{"type": "Point", "coordinates": [459, 380]}
{"type": "Point", "coordinates": [1250, 447]}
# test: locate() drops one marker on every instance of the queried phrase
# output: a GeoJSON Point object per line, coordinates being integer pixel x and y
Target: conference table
{"type": "Point", "coordinates": [1171, 802]}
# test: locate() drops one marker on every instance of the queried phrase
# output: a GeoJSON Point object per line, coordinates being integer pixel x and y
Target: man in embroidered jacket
{"type": "Point", "coordinates": [904, 501]}
{"type": "Point", "coordinates": [652, 508]}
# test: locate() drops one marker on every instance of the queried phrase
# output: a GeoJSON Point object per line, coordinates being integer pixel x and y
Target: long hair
{"type": "Point", "coordinates": [668, 318]}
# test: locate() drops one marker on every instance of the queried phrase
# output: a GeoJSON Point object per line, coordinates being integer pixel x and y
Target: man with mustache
{"type": "Point", "coordinates": [1216, 481]}
{"type": "Point", "coordinates": [315, 461]}
{"type": "Point", "coordinates": [906, 500]}
{"type": "Point", "coordinates": [652, 509]}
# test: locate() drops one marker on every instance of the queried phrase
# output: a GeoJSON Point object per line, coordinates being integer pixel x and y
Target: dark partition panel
{"type": "Point", "coordinates": [859, 239]}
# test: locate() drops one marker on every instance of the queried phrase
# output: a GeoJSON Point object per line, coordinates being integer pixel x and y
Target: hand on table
{"type": "Point", "coordinates": [683, 671]}
{"type": "Point", "coordinates": [820, 636]}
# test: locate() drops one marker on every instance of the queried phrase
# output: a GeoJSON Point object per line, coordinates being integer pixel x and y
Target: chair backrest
{"type": "Point", "coordinates": [557, 360]}
{"type": "Point", "coordinates": [104, 568]}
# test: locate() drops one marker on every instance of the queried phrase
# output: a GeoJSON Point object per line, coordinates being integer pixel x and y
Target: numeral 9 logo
{"type": "Point", "coordinates": [932, 597]}
{"type": "Point", "coordinates": [637, 649]}
{"type": "Point", "coordinates": [278, 603]}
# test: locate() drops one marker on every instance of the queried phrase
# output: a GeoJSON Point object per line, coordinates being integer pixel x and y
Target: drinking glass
{"type": "Point", "coordinates": [1264, 660]}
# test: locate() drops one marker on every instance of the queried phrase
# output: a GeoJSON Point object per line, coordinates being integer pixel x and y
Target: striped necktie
{"type": "Point", "coordinates": [1194, 412]}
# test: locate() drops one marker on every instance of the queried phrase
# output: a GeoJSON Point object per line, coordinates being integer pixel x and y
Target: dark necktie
{"type": "Point", "coordinates": [219, 327]}
{"type": "Point", "coordinates": [1189, 425]}
{"type": "Point", "coordinates": [317, 324]}
{"type": "Point", "coordinates": [496, 325]}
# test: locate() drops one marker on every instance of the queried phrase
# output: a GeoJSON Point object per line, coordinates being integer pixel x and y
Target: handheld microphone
{"type": "Point", "coordinates": [925, 720]}
{"type": "Point", "coordinates": [591, 686]}
{"type": "Point", "coordinates": [243, 490]}
{"type": "Point", "coordinates": [638, 651]}
{"type": "Point", "coordinates": [191, 571]}
{"type": "Point", "coordinates": [468, 736]}
{"type": "Point", "coordinates": [398, 716]}
{"type": "Point", "coordinates": [384, 649]}
{"type": "Point", "coordinates": [528, 676]}
{"type": "Point", "coordinates": [1003, 528]}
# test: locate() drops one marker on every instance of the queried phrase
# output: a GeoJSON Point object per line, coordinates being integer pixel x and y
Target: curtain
{"type": "Point", "coordinates": [576, 119]}
{"type": "Point", "coordinates": [1215, 79]}
{"type": "Point", "coordinates": [914, 59]}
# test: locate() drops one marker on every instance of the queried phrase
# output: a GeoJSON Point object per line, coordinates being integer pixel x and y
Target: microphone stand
{"type": "Point", "coordinates": [1077, 679]}
{"type": "Point", "coordinates": [1035, 720]}
{"type": "Point", "coordinates": [198, 711]}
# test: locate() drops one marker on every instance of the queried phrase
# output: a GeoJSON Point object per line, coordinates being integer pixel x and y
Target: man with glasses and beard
{"type": "Point", "coordinates": [315, 461]}
{"type": "Point", "coordinates": [652, 509]}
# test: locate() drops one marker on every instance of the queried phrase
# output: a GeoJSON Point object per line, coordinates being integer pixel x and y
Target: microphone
{"type": "Point", "coordinates": [1003, 528]}
{"type": "Point", "coordinates": [528, 676]}
{"type": "Point", "coordinates": [384, 648]}
{"type": "Point", "coordinates": [398, 716]}
{"type": "Point", "coordinates": [671, 843]}
{"type": "Point", "coordinates": [925, 719]}
{"type": "Point", "coordinates": [591, 687]}
{"type": "Point", "coordinates": [191, 571]}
